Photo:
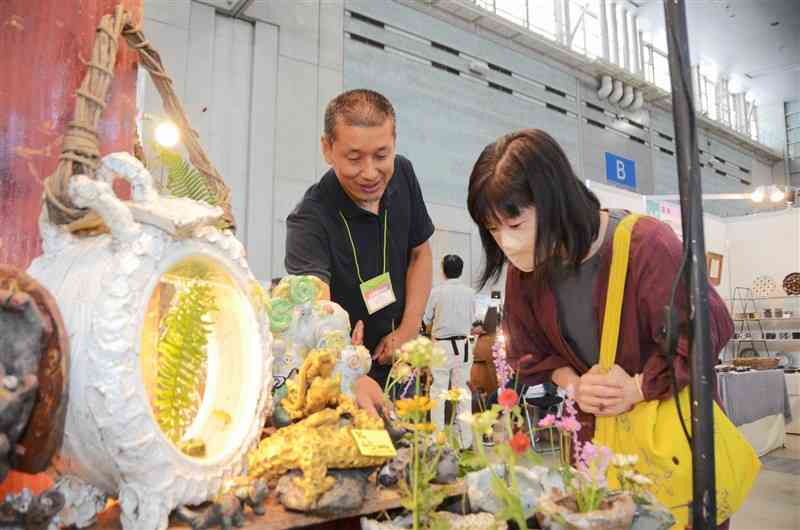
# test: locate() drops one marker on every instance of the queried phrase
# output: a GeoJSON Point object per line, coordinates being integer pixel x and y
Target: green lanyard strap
{"type": "Point", "coordinates": [353, 245]}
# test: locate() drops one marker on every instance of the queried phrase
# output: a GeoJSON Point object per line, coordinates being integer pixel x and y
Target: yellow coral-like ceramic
{"type": "Point", "coordinates": [314, 389]}
{"type": "Point", "coordinates": [320, 441]}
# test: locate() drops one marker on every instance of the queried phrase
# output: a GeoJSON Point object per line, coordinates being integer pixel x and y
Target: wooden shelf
{"type": "Point", "coordinates": [772, 319]}
{"type": "Point", "coordinates": [279, 518]}
{"type": "Point", "coordinates": [765, 340]}
{"type": "Point", "coordinates": [763, 298]}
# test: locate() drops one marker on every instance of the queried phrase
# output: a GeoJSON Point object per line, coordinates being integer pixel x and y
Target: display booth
{"type": "Point", "coordinates": [754, 259]}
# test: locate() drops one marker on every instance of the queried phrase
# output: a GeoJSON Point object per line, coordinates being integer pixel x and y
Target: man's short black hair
{"type": "Point", "coordinates": [359, 108]}
{"type": "Point", "coordinates": [452, 265]}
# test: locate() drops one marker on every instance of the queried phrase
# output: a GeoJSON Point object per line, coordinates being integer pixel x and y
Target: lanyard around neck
{"type": "Point", "coordinates": [353, 245]}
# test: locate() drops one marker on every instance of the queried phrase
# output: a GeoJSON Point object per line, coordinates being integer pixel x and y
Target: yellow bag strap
{"type": "Point", "coordinates": [616, 290]}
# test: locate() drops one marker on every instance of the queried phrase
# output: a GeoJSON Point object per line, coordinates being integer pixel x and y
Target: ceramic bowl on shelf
{"type": "Point", "coordinates": [756, 363]}
{"type": "Point", "coordinates": [791, 284]}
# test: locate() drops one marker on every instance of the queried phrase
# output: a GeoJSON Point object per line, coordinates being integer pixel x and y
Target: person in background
{"type": "Point", "coordinates": [363, 229]}
{"type": "Point", "coordinates": [483, 376]}
{"type": "Point", "coordinates": [449, 314]}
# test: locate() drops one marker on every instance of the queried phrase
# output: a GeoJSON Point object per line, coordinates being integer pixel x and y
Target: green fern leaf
{"type": "Point", "coordinates": [182, 357]}
{"type": "Point", "coordinates": [183, 180]}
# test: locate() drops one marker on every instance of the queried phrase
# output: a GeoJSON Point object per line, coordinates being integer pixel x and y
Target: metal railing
{"type": "Point", "coordinates": [575, 24]}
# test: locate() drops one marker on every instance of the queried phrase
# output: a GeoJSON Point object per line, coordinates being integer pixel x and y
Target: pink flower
{"type": "Point", "coordinates": [569, 402]}
{"type": "Point", "coordinates": [508, 398]}
{"type": "Point", "coordinates": [547, 421]}
{"type": "Point", "coordinates": [588, 452]}
{"type": "Point", "coordinates": [568, 424]}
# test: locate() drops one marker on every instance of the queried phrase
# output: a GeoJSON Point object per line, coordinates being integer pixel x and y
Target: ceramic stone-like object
{"type": "Point", "coordinates": [347, 494]}
{"type": "Point", "coordinates": [532, 484]}
{"type": "Point", "coordinates": [474, 521]}
{"type": "Point", "coordinates": [652, 516]}
{"type": "Point", "coordinates": [557, 511]}
{"type": "Point", "coordinates": [114, 291]}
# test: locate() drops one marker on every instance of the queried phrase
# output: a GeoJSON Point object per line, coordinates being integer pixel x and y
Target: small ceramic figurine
{"type": "Point", "coordinates": [227, 509]}
{"type": "Point", "coordinates": [28, 512]}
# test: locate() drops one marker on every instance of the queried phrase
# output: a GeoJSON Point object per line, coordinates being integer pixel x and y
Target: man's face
{"type": "Point", "coordinates": [363, 159]}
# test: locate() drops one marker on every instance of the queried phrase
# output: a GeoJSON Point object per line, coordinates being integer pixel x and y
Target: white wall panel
{"type": "Point", "coordinates": [219, 66]}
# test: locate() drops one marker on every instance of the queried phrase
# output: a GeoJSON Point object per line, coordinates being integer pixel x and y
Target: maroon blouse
{"type": "Point", "coordinates": [536, 346]}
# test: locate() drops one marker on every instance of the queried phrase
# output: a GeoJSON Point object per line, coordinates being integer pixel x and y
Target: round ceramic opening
{"type": "Point", "coordinates": [198, 353]}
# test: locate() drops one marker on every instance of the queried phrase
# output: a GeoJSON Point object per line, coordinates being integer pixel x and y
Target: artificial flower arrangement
{"type": "Point", "coordinates": [576, 495]}
{"type": "Point", "coordinates": [503, 458]}
{"type": "Point", "coordinates": [586, 500]}
{"type": "Point", "coordinates": [419, 495]}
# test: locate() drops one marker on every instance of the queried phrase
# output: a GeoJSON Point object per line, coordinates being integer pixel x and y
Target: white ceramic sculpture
{"type": "Point", "coordinates": [314, 324]}
{"type": "Point", "coordinates": [108, 289]}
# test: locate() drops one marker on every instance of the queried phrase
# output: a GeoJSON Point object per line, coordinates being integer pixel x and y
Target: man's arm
{"type": "Point", "coordinates": [419, 277]}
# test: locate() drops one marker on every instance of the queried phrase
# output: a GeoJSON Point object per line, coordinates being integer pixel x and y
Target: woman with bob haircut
{"type": "Point", "coordinates": [533, 212]}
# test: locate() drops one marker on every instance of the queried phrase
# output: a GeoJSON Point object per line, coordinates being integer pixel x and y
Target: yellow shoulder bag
{"type": "Point", "coordinates": [652, 429]}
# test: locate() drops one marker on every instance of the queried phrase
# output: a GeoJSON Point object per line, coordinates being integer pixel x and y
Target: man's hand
{"type": "Point", "coordinates": [384, 352]}
{"type": "Point", "coordinates": [369, 396]}
{"type": "Point", "coordinates": [358, 334]}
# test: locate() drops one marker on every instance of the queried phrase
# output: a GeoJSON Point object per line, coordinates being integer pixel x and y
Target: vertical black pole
{"type": "Point", "coordinates": [704, 505]}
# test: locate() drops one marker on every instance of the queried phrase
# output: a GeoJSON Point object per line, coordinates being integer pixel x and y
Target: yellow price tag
{"type": "Point", "coordinates": [374, 443]}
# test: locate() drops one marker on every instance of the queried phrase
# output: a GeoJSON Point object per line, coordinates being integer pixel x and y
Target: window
{"type": "Point", "coordinates": [661, 70]}
{"type": "Point", "coordinates": [514, 10]}
{"type": "Point", "coordinates": [542, 17]}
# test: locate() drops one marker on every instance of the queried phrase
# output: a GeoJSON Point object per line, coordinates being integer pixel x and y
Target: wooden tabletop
{"type": "Point", "coordinates": [279, 518]}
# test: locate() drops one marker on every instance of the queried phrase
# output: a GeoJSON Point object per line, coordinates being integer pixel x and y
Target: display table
{"type": "Point", "coordinates": [279, 518]}
{"type": "Point", "coordinates": [757, 402]}
{"type": "Point", "coordinates": [793, 388]}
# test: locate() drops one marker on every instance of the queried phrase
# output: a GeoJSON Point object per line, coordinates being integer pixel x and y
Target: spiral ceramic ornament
{"type": "Point", "coordinates": [791, 284]}
{"type": "Point", "coordinates": [135, 430]}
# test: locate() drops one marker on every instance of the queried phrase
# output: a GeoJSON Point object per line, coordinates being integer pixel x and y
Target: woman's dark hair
{"type": "Point", "coordinates": [529, 168]}
{"type": "Point", "coordinates": [452, 265]}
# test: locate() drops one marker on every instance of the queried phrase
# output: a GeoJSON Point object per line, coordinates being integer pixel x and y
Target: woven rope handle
{"type": "Point", "coordinates": [80, 153]}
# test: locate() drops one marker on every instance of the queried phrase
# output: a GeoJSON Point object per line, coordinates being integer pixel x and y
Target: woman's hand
{"type": "Point", "coordinates": [597, 393]}
{"type": "Point", "coordinates": [369, 395]}
{"type": "Point", "coordinates": [601, 393]}
{"type": "Point", "coordinates": [607, 394]}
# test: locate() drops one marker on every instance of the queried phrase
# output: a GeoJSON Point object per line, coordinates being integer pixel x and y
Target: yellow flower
{"type": "Point", "coordinates": [420, 427]}
{"type": "Point", "coordinates": [441, 438]}
{"type": "Point", "coordinates": [407, 407]}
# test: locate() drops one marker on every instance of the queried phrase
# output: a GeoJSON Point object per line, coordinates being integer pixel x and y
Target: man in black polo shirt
{"type": "Point", "coordinates": [363, 229]}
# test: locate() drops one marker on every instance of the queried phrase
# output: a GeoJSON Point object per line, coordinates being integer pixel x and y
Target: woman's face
{"type": "Point", "coordinates": [516, 236]}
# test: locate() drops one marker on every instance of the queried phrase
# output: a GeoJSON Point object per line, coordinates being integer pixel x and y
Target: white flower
{"type": "Point", "coordinates": [641, 479]}
{"type": "Point", "coordinates": [637, 478]}
{"type": "Point", "coordinates": [620, 460]}
{"type": "Point", "coordinates": [401, 371]}
{"type": "Point", "coordinates": [454, 394]}
{"type": "Point", "coordinates": [625, 460]}
{"type": "Point", "coordinates": [466, 418]}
